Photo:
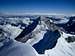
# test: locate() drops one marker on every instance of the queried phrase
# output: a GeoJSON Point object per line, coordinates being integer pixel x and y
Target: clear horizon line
{"type": "Point", "coordinates": [40, 13]}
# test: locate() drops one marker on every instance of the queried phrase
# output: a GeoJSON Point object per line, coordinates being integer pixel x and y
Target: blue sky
{"type": "Point", "coordinates": [42, 6]}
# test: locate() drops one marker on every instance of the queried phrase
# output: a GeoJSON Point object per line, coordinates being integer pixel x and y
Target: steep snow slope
{"type": "Point", "coordinates": [62, 48]}
{"type": "Point", "coordinates": [37, 35]}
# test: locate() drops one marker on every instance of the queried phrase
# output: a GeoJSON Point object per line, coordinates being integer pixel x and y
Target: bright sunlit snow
{"type": "Point", "coordinates": [62, 48]}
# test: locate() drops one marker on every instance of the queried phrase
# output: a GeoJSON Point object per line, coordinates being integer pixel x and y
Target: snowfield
{"type": "Point", "coordinates": [62, 48]}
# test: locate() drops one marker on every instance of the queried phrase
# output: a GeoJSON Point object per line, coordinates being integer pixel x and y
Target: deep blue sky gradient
{"type": "Point", "coordinates": [46, 6]}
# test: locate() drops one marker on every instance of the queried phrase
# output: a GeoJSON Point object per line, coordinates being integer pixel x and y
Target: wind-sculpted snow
{"type": "Point", "coordinates": [48, 42]}
{"type": "Point", "coordinates": [63, 48]}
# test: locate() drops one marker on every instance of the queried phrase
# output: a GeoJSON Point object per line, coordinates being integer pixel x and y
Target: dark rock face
{"type": "Point", "coordinates": [50, 38]}
{"type": "Point", "coordinates": [28, 29]}
{"type": "Point", "coordinates": [48, 42]}
{"type": "Point", "coordinates": [69, 27]}
{"type": "Point", "coordinates": [70, 39]}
